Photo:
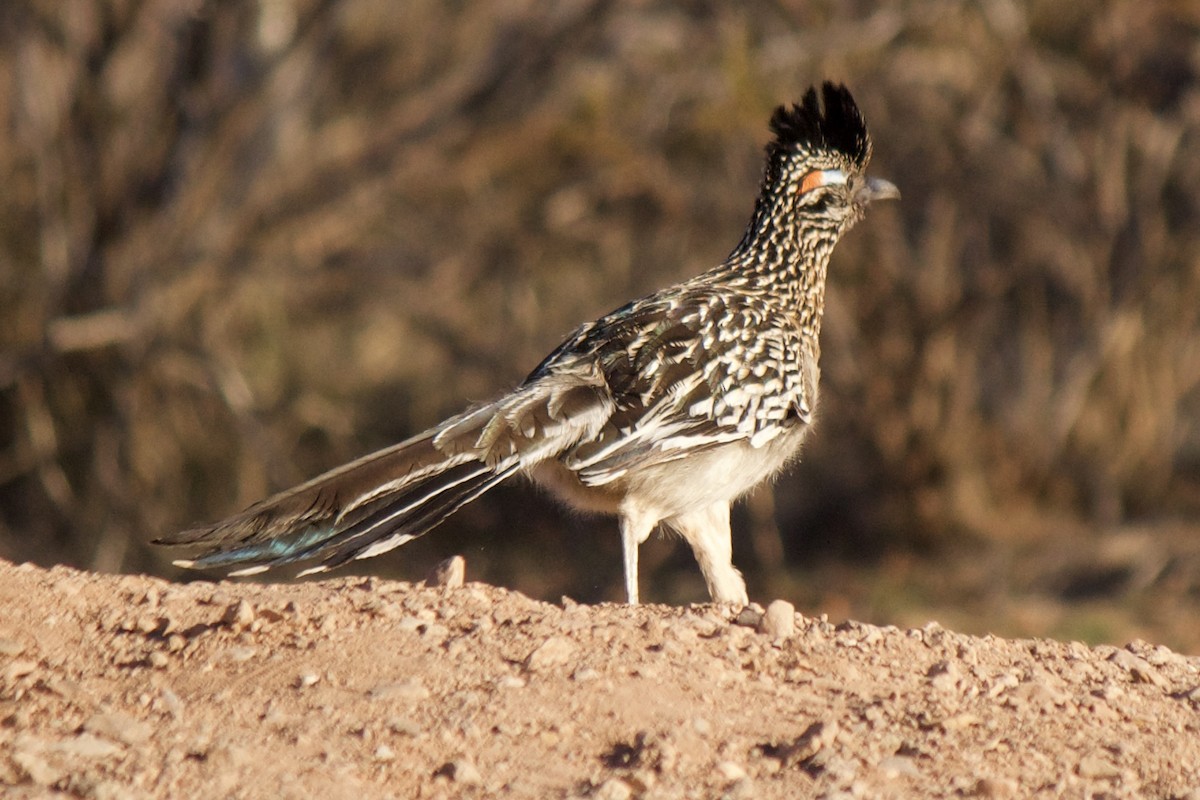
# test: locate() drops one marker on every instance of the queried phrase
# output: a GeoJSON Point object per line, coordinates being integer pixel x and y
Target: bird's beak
{"type": "Point", "coordinates": [876, 189]}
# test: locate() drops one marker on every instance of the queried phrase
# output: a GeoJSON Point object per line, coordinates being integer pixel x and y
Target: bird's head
{"type": "Point", "coordinates": [816, 164]}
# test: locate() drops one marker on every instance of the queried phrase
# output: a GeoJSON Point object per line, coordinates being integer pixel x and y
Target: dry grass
{"type": "Point", "coordinates": [242, 242]}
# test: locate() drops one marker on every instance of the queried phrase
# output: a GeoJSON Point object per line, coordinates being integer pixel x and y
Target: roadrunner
{"type": "Point", "coordinates": [664, 411]}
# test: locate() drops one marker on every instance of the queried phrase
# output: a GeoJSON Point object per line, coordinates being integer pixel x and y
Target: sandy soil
{"type": "Point", "coordinates": [128, 686]}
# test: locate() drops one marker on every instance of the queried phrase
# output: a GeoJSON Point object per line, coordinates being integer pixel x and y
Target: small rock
{"type": "Point", "coordinates": [779, 622]}
{"type": "Point", "coordinates": [384, 753]}
{"type": "Point", "coordinates": [449, 574]}
{"type": "Point", "coordinates": [962, 721]}
{"type": "Point", "coordinates": [158, 659]}
{"type": "Point", "coordinates": [87, 745]}
{"type": "Point", "coordinates": [585, 674]}
{"type": "Point", "coordinates": [172, 703]}
{"type": "Point", "coordinates": [19, 719]}
{"type": "Point", "coordinates": [404, 726]}
{"type": "Point", "coordinates": [435, 632]}
{"type": "Point", "coordinates": [741, 789]}
{"type": "Point", "coordinates": [152, 597]}
{"type": "Point", "coordinates": [749, 617]}
{"type": "Point", "coordinates": [1003, 683]}
{"type": "Point", "coordinates": [240, 654]}
{"type": "Point", "coordinates": [943, 676]}
{"type": "Point", "coordinates": [18, 669]}
{"type": "Point", "coordinates": [815, 737]}
{"type": "Point", "coordinates": [307, 679]}
{"type": "Point", "coordinates": [404, 690]}
{"type": "Point", "coordinates": [1161, 656]}
{"type": "Point", "coordinates": [37, 769]}
{"type": "Point", "coordinates": [730, 771]}
{"type": "Point", "coordinates": [1137, 667]}
{"type": "Point", "coordinates": [10, 647]}
{"type": "Point", "coordinates": [994, 788]}
{"type": "Point", "coordinates": [614, 789]}
{"type": "Point", "coordinates": [239, 615]}
{"type": "Point", "coordinates": [1039, 692]}
{"type": "Point", "coordinates": [461, 770]}
{"type": "Point", "coordinates": [1096, 765]}
{"type": "Point", "coordinates": [553, 652]}
{"type": "Point", "coordinates": [896, 766]}
{"type": "Point", "coordinates": [118, 727]}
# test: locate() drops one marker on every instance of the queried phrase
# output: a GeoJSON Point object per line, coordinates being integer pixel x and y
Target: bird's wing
{"type": "Point", "coordinates": [686, 373]}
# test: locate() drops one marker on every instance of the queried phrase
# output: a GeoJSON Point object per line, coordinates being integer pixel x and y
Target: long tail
{"type": "Point", "coordinates": [391, 497]}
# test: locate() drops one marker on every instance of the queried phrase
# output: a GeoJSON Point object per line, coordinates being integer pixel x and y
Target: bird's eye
{"type": "Point", "coordinates": [821, 177]}
{"type": "Point", "coordinates": [818, 205]}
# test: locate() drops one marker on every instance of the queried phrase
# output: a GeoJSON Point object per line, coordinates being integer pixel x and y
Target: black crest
{"type": "Point", "coordinates": [839, 127]}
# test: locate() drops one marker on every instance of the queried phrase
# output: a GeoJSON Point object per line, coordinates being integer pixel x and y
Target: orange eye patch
{"type": "Point", "coordinates": [821, 177]}
{"type": "Point", "coordinates": [812, 180]}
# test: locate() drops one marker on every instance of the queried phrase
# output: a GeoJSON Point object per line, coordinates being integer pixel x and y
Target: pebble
{"type": "Point", "coordinates": [306, 679]}
{"type": "Point", "coordinates": [172, 703]}
{"type": "Point", "coordinates": [553, 652]}
{"type": "Point", "coordinates": [239, 615]}
{"type": "Point", "coordinates": [87, 745]}
{"type": "Point", "coordinates": [435, 632]}
{"type": "Point", "coordinates": [404, 726]}
{"type": "Point", "coordinates": [449, 574]}
{"type": "Point", "coordinates": [1160, 656]}
{"type": "Point", "coordinates": [118, 727]}
{"type": "Point", "coordinates": [463, 771]}
{"type": "Point", "coordinates": [614, 789]}
{"type": "Point", "coordinates": [10, 647]}
{"type": "Point", "coordinates": [240, 654]}
{"type": "Point", "coordinates": [730, 771]}
{"type": "Point", "coordinates": [1097, 765]}
{"type": "Point", "coordinates": [585, 674]}
{"type": "Point", "coordinates": [994, 787]}
{"type": "Point", "coordinates": [897, 766]}
{"type": "Point", "coordinates": [749, 617]}
{"type": "Point", "coordinates": [412, 690]}
{"type": "Point", "coordinates": [1003, 683]}
{"type": "Point", "coordinates": [18, 669]}
{"type": "Point", "coordinates": [943, 676]}
{"type": "Point", "coordinates": [741, 789]}
{"type": "Point", "coordinates": [779, 621]}
{"type": "Point", "coordinates": [40, 771]}
{"type": "Point", "coordinates": [1137, 667]}
{"type": "Point", "coordinates": [962, 721]}
{"type": "Point", "coordinates": [384, 753]}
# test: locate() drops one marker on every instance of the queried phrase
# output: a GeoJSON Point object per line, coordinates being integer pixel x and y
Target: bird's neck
{"type": "Point", "coordinates": [788, 263]}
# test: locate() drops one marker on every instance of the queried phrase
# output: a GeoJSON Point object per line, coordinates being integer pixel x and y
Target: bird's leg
{"type": "Point", "coordinates": [707, 531]}
{"type": "Point", "coordinates": [636, 527]}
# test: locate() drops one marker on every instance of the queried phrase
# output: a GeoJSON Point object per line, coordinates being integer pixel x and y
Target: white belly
{"type": "Point", "coordinates": [722, 473]}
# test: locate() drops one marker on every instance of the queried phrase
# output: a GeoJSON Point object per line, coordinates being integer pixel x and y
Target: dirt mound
{"type": "Point", "coordinates": [134, 687]}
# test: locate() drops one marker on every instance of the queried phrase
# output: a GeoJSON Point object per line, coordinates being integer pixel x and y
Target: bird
{"type": "Point", "coordinates": [661, 412]}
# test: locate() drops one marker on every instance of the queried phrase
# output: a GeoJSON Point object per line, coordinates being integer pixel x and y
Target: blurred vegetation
{"type": "Point", "coordinates": [243, 242]}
